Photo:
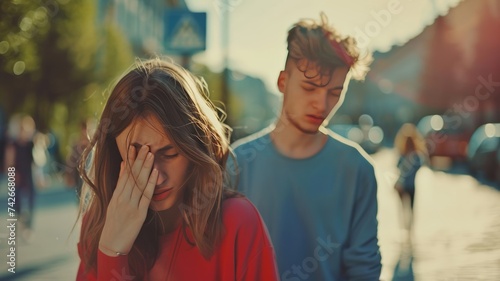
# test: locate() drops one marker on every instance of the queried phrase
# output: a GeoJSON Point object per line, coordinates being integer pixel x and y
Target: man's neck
{"type": "Point", "coordinates": [294, 143]}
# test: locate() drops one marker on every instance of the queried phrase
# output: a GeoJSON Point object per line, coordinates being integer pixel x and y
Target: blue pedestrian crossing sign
{"type": "Point", "coordinates": [185, 32]}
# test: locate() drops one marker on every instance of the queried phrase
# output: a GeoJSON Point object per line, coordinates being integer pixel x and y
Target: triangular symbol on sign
{"type": "Point", "coordinates": [186, 34]}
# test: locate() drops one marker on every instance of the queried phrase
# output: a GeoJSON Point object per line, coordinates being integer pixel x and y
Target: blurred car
{"type": "Point", "coordinates": [445, 136]}
{"type": "Point", "coordinates": [483, 152]}
{"type": "Point", "coordinates": [369, 137]}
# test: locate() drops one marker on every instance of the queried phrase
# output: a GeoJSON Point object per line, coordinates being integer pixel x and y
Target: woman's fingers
{"type": "Point", "coordinates": [145, 199]}
{"type": "Point", "coordinates": [126, 212]}
{"type": "Point", "coordinates": [143, 176]}
{"type": "Point", "coordinates": [136, 179]}
{"type": "Point", "coordinates": [131, 155]}
{"type": "Point", "coordinates": [142, 179]}
{"type": "Point", "coordinates": [136, 162]}
{"type": "Point", "coordinates": [122, 178]}
{"type": "Point", "coordinates": [139, 161]}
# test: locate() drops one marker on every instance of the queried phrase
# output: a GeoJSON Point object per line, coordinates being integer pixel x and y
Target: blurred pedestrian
{"type": "Point", "coordinates": [54, 154]}
{"type": "Point", "coordinates": [3, 141]}
{"type": "Point", "coordinates": [19, 154]}
{"type": "Point", "coordinates": [412, 155]}
{"type": "Point", "coordinates": [158, 208]}
{"type": "Point", "coordinates": [71, 175]}
{"type": "Point", "coordinates": [316, 191]}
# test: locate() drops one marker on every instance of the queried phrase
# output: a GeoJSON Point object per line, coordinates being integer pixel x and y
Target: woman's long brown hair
{"type": "Point", "coordinates": [180, 102]}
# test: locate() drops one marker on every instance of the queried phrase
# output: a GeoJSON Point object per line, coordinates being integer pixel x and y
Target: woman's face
{"type": "Point", "coordinates": [171, 165]}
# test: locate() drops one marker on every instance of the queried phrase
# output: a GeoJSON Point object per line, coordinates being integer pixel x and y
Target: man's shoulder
{"type": "Point", "coordinates": [346, 149]}
{"type": "Point", "coordinates": [256, 139]}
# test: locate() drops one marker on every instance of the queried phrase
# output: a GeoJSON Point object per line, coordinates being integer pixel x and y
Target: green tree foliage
{"type": "Point", "coordinates": [56, 60]}
{"type": "Point", "coordinates": [23, 25]}
{"type": "Point", "coordinates": [50, 56]}
{"type": "Point", "coordinates": [214, 80]}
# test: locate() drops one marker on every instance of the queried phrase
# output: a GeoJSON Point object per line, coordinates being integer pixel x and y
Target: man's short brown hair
{"type": "Point", "coordinates": [319, 43]}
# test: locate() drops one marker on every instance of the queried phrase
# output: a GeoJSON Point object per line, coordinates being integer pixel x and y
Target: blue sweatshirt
{"type": "Point", "coordinates": [320, 211]}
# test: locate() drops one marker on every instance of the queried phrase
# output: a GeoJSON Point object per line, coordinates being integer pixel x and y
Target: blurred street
{"type": "Point", "coordinates": [431, 70]}
{"type": "Point", "coordinates": [456, 231]}
{"type": "Point", "coordinates": [50, 254]}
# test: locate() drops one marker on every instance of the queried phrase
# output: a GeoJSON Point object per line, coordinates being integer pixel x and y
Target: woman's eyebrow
{"type": "Point", "coordinates": [163, 149]}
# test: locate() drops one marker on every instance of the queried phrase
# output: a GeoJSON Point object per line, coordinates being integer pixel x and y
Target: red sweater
{"type": "Point", "coordinates": [245, 253]}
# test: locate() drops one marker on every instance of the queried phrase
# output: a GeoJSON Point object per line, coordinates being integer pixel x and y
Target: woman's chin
{"type": "Point", "coordinates": [160, 205]}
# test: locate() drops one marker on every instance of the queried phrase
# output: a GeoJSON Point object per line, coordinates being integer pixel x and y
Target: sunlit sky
{"type": "Point", "coordinates": [258, 28]}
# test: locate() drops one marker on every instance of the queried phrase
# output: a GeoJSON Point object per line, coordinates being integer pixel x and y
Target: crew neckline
{"type": "Point", "coordinates": [287, 158]}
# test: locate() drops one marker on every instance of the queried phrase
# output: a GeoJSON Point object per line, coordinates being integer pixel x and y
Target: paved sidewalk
{"type": "Point", "coordinates": [456, 231]}
{"type": "Point", "coordinates": [51, 253]}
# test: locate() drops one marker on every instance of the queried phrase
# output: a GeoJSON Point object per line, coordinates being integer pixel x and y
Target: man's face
{"type": "Point", "coordinates": [308, 101]}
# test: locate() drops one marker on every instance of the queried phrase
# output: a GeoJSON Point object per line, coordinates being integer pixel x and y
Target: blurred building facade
{"type": "Point", "coordinates": [452, 68]}
{"type": "Point", "coordinates": [255, 107]}
{"type": "Point", "coordinates": [142, 22]}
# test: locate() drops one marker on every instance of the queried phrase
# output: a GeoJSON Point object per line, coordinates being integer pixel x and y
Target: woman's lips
{"type": "Point", "coordinates": [161, 194]}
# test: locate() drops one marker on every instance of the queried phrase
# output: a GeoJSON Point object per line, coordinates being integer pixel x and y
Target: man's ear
{"type": "Point", "coordinates": [282, 78]}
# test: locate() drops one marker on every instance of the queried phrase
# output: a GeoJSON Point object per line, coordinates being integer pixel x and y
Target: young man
{"type": "Point", "coordinates": [315, 190]}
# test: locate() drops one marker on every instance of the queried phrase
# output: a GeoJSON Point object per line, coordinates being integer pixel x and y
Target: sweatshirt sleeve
{"type": "Point", "coordinates": [361, 256]}
{"type": "Point", "coordinates": [255, 257]}
{"type": "Point", "coordinates": [108, 268]}
{"type": "Point", "coordinates": [262, 266]}
{"type": "Point", "coordinates": [82, 275]}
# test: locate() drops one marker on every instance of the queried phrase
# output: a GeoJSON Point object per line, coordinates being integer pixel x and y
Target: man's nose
{"type": "Point", "coordinates": [320, 100]}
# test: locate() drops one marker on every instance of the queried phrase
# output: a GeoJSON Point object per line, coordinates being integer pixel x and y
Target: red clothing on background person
{"type": "Point", "coordinates": [244, 253]}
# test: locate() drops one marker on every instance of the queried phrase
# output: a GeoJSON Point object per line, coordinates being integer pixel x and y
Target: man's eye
{"type": "Point", "coordinates": [308, 89]}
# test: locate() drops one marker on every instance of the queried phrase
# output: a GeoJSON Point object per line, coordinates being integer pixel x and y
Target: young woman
{"type": "Point", "coordinates": [157, 207]}
{"type": "Point", "coordinates": [413, 154]}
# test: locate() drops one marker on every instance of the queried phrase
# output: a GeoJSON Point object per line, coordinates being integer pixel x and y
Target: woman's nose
{"type": "Point", "coordinates": [161, 174]}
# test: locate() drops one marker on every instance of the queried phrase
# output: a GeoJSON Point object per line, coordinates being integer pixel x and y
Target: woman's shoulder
{"type": "Point", "coordinates": [239, 212]}
{"type": "Point", "coordinates": [239, 208]}
{"type": "Point", "coordinates": [241, 218]}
